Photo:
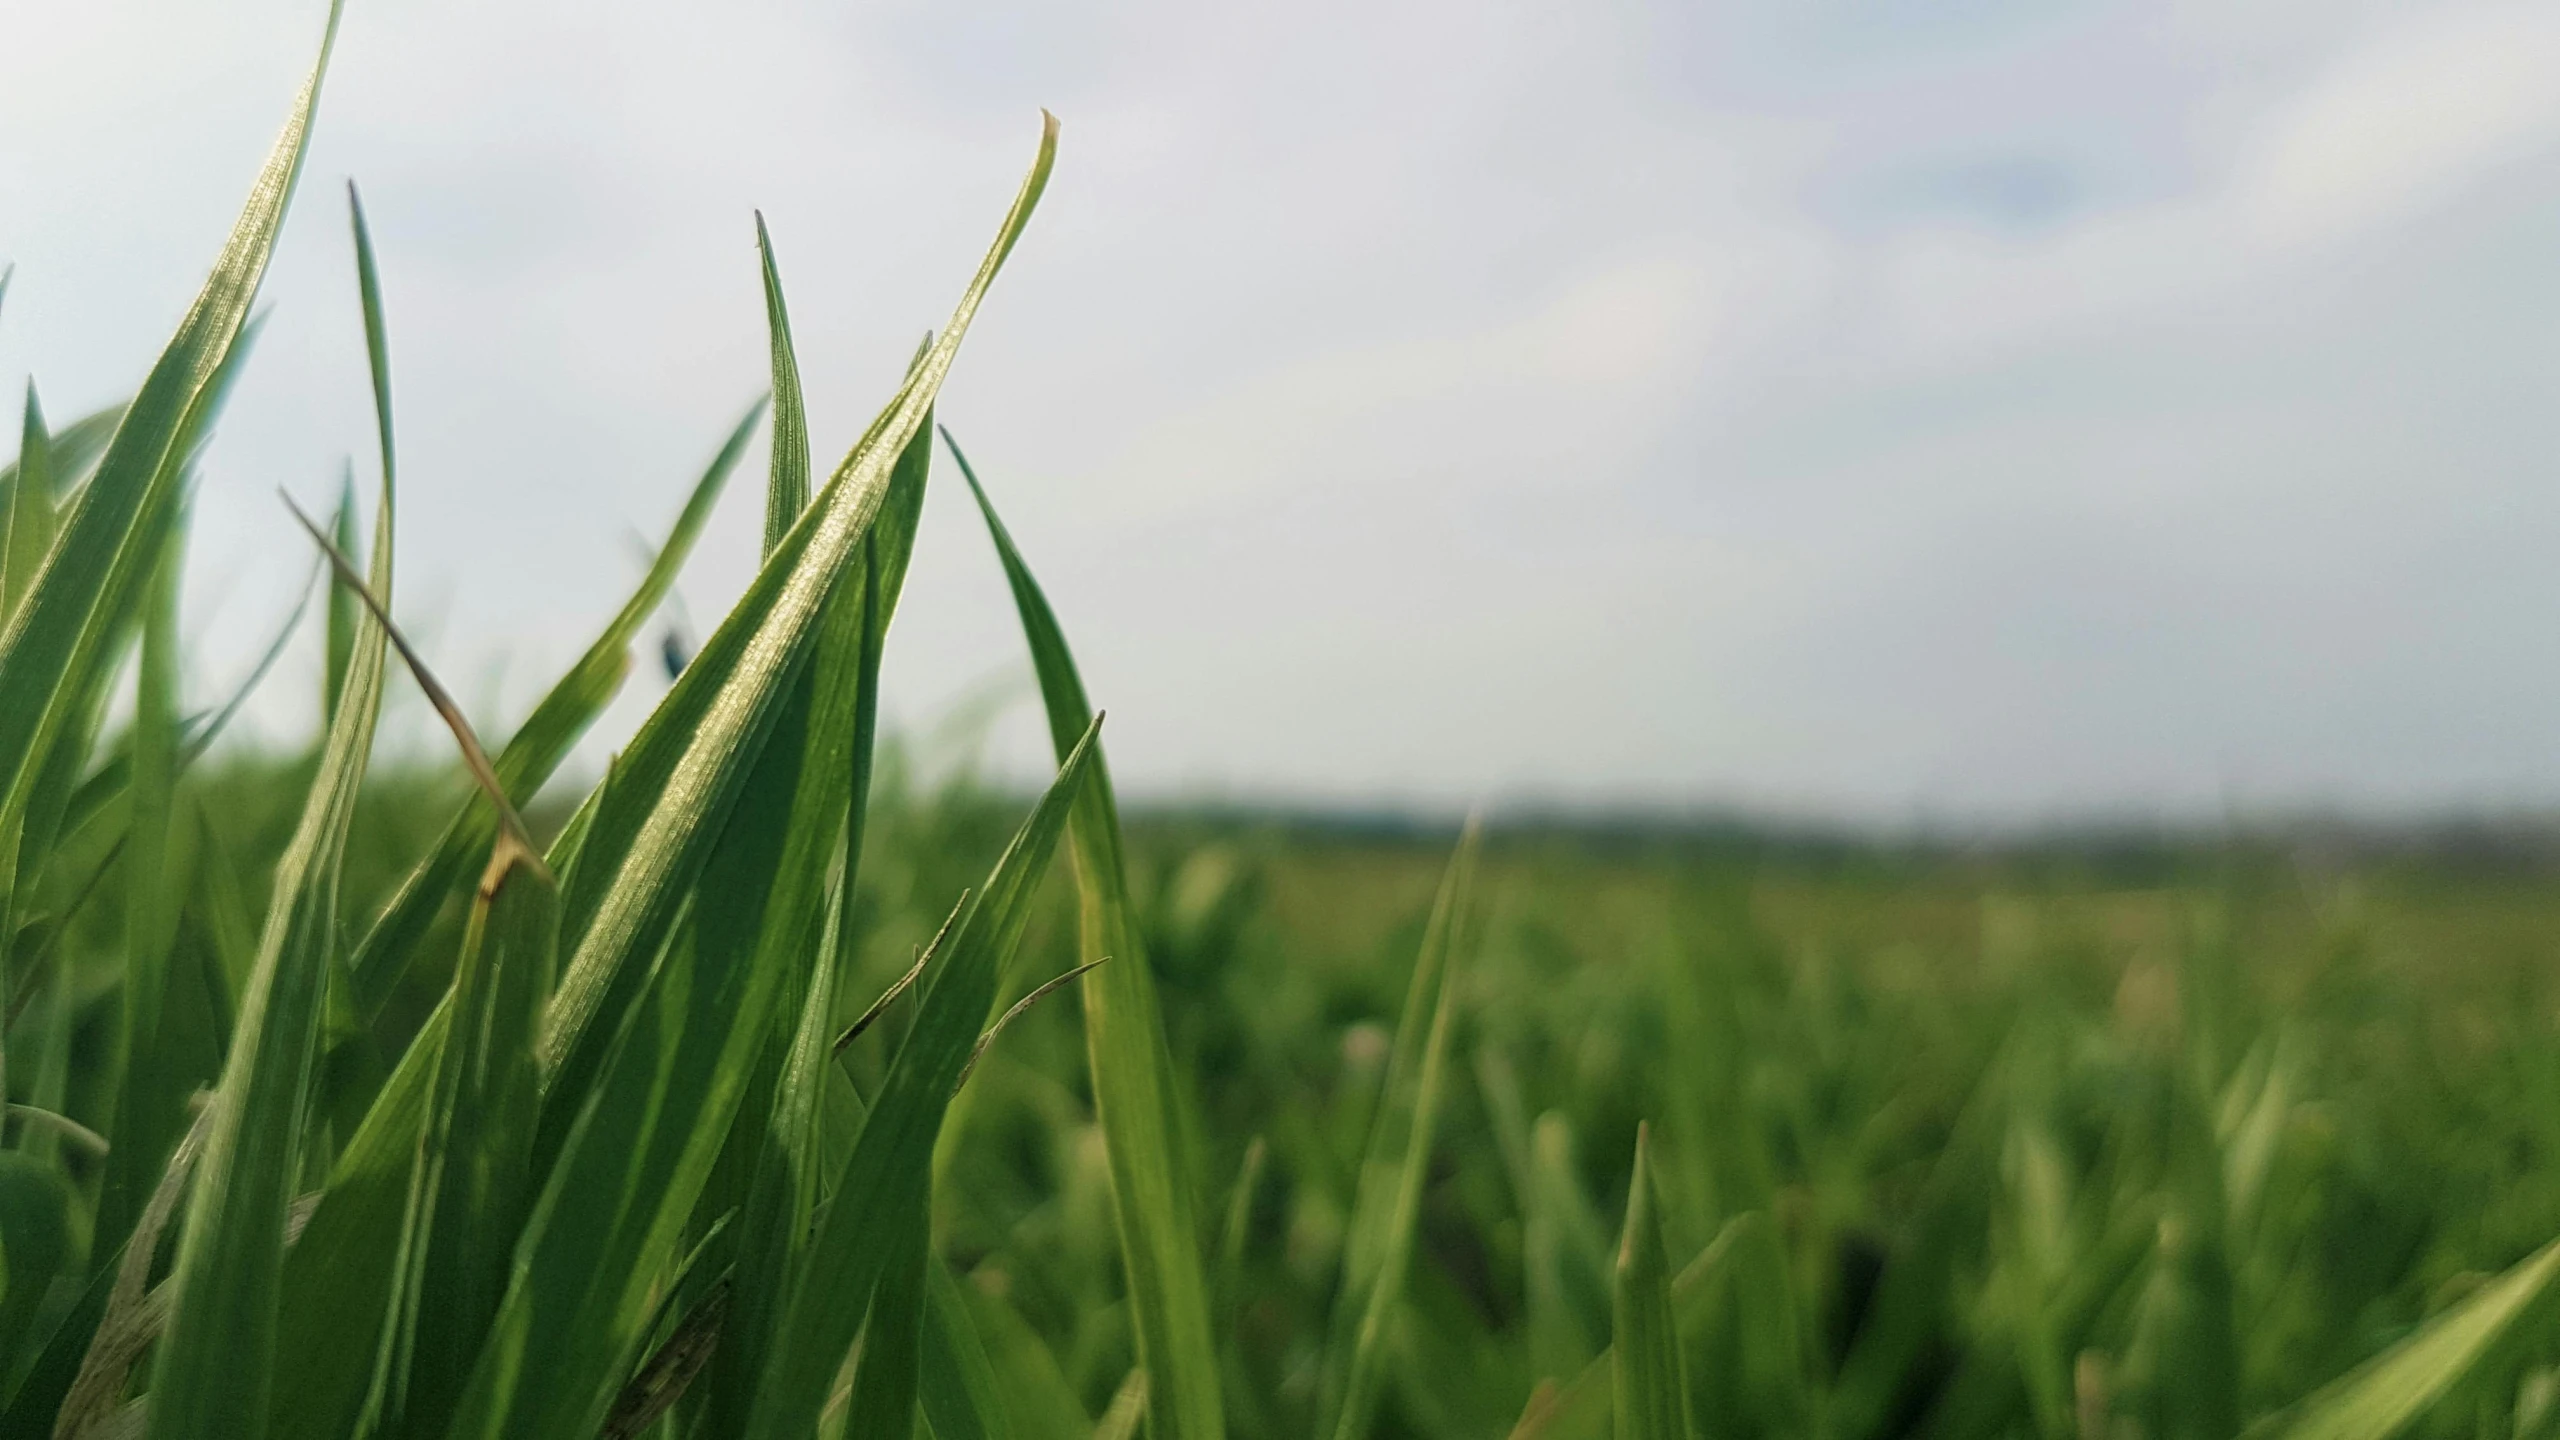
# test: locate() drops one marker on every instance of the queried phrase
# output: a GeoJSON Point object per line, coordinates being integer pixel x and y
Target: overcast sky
{"type": "Point", "coordinates": [1850, 407]}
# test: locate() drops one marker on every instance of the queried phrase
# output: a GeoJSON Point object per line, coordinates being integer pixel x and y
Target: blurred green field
{"type": "Point", "coordinates": [1993, 1069]}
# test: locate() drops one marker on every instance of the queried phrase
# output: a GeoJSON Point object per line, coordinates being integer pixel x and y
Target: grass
{"type": "Point", "coordinates": [769, 1088]}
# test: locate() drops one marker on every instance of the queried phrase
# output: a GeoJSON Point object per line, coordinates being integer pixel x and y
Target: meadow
{"type": "Point", "coordinates": [772, 1085]}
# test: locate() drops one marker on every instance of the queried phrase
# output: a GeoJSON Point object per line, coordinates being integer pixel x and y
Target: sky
{"type": "Point", "coordinates": [1865, 409]}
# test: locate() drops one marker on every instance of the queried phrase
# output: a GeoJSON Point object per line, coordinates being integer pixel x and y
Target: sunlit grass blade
{"type": "Point", "coordinates": [787, 1159]}
{"type": "Point", "coordinates": [649, 836]}
{"type": "Point", "coordinates": [1134, 1083]}
{"type": "Point", "coordinates": [787, 490]}
{"type": "Point", "coordinates": [2384, 1396]}
{"type": "Point", "coordinates": [213, 1368]}
{"type": "Point", "coordinates": [74, 449]}
{"type": "Point", "coordinates": [1378, 1245]}
{"type": "Point", "coordinates": [1127, 1411]}
{"type": "Point", "coordinates": [106, 545]}
{"type": "Point", "coordinates": [537, 747]}
{"type": "Point", "coordinates": [1650, 1393]}
{"type": "Point", "coordinates": [644, 1072]}
{"type": "Point", "coordinates": [889, 1173]}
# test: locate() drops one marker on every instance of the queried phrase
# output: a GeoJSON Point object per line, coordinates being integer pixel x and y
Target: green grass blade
{"type": "Point", "coordinates": [882, 1404]}
{"type": "Point", "coordinates": [1379, 1242]}
{"type": "Point", "coordinates": [343, 610]}
{"type": "Point", "coordinates": [151, 1100]}
{"type": "Point", "coordinates": [469, 1192]}
{"type": "Point", "coordinates": [1132, 1067]}
{"type": "Point", "coordinates": [2381, 1398]}
{"type": "Point", "coordinates": [956, 1378]}
{"type": "Point", "coordinates": [75, 448]}
{"type": "Point", "coordinates": [338, 1277]}
{"type": "Point", "coordinates": [102, 555]}
{"type": "Point", "coordinates": [536, 749]}
{"type": "Point", "coordinates": [782, 1184]}
{"type": "Point", "coordinates": [214, 1365]}
{"type": "Point", "coordinates": [644, 1071]}
{"type": "Point", "coordinates": [787, 492]}
{"type": "Point", "coordinates": [377, 352]}
{"type": "Point", "coordinates": [662, 1111]}
{"type": "Point", "coordinates": [889, 1173]}
{"type": "Point", "coordinates": [650, 834]}
{"type": "Point", "coordinates": [1037, 1395]}
{"type": "Point", "coordinates": [1651, 1394]}
{"type": "Point", "coordinates": [29, 517]}
{"type": "Point", "coordinates": [1584, 1409]}
{"type": "Point", "coordinates": [1127, 1411]}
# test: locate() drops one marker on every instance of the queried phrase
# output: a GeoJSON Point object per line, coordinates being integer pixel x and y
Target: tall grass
{"type": "Point", "coordinates": [638, 1121]}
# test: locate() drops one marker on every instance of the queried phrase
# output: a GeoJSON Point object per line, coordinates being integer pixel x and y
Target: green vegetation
{"type": "Point", "coordinates": [679, 1107]}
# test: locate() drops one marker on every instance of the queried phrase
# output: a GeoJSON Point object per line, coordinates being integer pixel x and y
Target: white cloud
{"type": "Point", "coordinates": [2420, 108]}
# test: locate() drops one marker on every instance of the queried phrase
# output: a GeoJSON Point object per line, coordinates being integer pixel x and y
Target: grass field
{"type": "Point", "coordinates": [770, 1087]}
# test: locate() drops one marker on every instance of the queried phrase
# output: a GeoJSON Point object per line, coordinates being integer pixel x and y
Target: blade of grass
{"type": "Point", "coordinates": [30, 514]}
{"type": "Point", "coordinates": [1584, 1408]}
{"type": "Point", "coordinates": [889, 1172]}
{"type": "Point", "coordinates": [214, 1366]}
{"type": "Point", "coordinates": [105, 546]}
{"type": "Point", "coordinates": [151, 1099]}
{"type": "Point", "coordinates": [342, 608]}
{"type": "Point", "coordinates": [644, 1064]}
{"type": "Point", "coordinates": [1651, 1394]}
{"type": "Point", "coordinates": [787, 490]}
{"type": "Point", "coordinates": [1379, 1242]}
{"type": "Point", "coordinates": [74, 448]}
{"type": "Point", "coordinates": [1134, 1081]}
{"type": "Point", "coordinates": [963, 1398]}
{"type": "Point", "coordinates": [337, 1284]}
{"type": "Point", "coordinates": [469, 1191]}
{"type": "Point", "coordinates": [2382, 1397]}
{"type": "Point", "coordinates": [782, 1177]}
{"type": "Point", "coordinates": [129, 1321]}
{"type": "Point", "coordinates": [882, 1403]}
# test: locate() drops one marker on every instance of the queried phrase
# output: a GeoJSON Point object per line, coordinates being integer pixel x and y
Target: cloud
{"type": "Point", "coordinates": [2422, 107]}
